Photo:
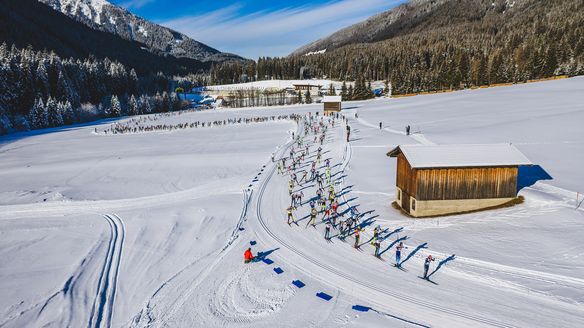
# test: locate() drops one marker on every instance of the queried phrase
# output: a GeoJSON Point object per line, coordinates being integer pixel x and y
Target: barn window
{"type": "Point", "coordinates": [413, 204]}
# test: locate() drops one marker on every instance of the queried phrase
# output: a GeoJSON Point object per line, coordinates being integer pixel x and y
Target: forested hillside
{"type": "Point", "coordinates": [448, 44]}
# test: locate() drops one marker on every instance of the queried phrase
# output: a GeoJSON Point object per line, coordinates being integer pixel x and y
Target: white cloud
{"type": "Point", "coordinates": [274, 33]}
{"type": "Point", "coordinates": [136, 4]}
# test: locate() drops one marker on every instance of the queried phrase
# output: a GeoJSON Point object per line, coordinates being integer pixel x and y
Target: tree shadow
{"type": "Point", "coordinates": [412, 253]}
{"type": "Point", "coordinates": [446, 260]}
{"type": "Point", "coordinates": [528, 175]}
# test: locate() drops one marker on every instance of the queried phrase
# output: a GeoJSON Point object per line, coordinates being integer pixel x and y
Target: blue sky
{"type": "Point", "coordinates": [253, 28]}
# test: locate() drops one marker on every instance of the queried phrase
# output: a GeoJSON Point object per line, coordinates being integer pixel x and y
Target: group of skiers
{"type": "Point", "coordinates": [324, 206]}
{"type": "Point", "coordinates": [140, 124]}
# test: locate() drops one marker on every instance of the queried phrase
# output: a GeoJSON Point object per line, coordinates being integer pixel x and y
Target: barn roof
{"type": "Point", "coordinates": [331, 99]}
{"type": "Point", "coordinates": [436, 156]}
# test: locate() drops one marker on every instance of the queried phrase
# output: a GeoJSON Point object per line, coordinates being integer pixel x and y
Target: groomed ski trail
{"type": "Point", "coordinates": [105, 298]}
{"type": "Point", "coordinates": [363, 284]}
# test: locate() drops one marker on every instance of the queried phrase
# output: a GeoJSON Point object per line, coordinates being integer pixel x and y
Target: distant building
{"type": "Point", "coordinates": [314, 89]}
{"type": "Point", "coordinates": [332, 104]}
{"type": "Point", "coordinates": [444, 179]}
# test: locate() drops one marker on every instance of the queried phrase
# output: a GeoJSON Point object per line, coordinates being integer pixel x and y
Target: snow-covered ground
{"type": "Point", "coordinates": [149, 229]}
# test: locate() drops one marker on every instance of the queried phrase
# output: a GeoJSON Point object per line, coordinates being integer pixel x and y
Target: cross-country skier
{"type": "Point", "coordinates": [377, 245]}
{"type": "Point", "coordinates": [427, 263]}
{"type": "Point", "coordinates": [398, 250]}
{"type": "Point", "coordinates": [290, 186]}
{"type": "Point", "coordinates": [291, 215]}
{"type": "Point", "coordinates": [357, 235]}
{"type": "Point", "coordinates": [375, 234]}
{"type": "Point", "coordinates": [313, 213]}
{"type": "Point", "coordinates": [327, 231]}
{"type": "Point", "coordinates": [248, 256]}
{"type": "Point", "coordinates": [348, 132]}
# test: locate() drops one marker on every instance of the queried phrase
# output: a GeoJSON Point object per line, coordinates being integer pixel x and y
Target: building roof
{"type": "Point", "coordinates": [437, 156]}
{"type": "Point", "coordinates": [331, 99]}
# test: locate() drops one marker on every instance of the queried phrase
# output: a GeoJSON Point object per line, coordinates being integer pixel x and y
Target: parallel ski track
{"type": "Point", "coordinates": [103, 304]}
{"type": "Point", "coordinates": [388, 292]}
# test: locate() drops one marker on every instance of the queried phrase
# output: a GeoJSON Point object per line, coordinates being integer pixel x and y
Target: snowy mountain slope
{"type": "Point", "coordinates": [411, 17]}
{"type": "Point", "coordinates": [27, 23]}
{"type": "Point", "coordinates": [104, 16]}
{"type": "Point", "coordinates": [177, 199]}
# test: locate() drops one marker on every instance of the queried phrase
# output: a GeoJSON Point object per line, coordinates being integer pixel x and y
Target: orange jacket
{"type": "Point", "coordinates": [248, 255]}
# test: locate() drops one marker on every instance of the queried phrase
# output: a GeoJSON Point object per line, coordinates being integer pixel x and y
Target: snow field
{"type": "Point", "coordinates": [176, 198]}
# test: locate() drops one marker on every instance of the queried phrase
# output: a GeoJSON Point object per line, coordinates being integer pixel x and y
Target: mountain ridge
{"type": "Point", "coordinates": [107, 17]}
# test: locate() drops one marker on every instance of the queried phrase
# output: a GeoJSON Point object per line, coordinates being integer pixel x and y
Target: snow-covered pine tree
{"type": "Point", "coordinates": [175, 101]}
{"type": "Point", "coordinates": [145, 104]}
{"type": "Point", "coordinates": [69, 116]}
{"type": "Point", "coordinates": [115, 107]}
{"type": "Point", "coordinates": [55, 118]}
{"type": "Point", "coordinates": [133, 84]}
{"type": "Point", "coordinates": [133, 108]}
{"type": "Point", "coordinates": [38, 117]}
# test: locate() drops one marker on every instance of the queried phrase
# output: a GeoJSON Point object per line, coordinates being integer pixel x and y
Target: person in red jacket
{"type": "Point", "coordinates": [248, 256]}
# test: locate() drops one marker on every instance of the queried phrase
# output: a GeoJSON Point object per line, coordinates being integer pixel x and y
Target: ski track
{"type": "Point", "coordinates": [150, 315]}
{"type": "Point", "coordinates": [363, 283]}
{"type": "Point", "coordinates": [105, 297]}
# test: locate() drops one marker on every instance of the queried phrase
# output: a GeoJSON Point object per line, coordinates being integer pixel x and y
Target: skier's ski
{"type": "Point", "coordinates": [428, 280]}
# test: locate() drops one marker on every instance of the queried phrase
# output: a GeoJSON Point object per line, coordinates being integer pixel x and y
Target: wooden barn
{"type": "Point", "coordinates": [332, 104]}
{"type": "Point", "coordinates": [445, 179]}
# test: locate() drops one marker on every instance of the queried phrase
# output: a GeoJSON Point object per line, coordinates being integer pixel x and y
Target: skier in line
{"type": "Point", "coordinates": [291, 215]}
{"type": "Point", "coordinates": [408, 130]}
{"type": "Point", "coordinates": [348, 132]}
{"type": "Point", "coordinates": [357, 235]}
{"type": "Point", "coordinates": [290, 186]}
{"type": "Point", "coordinates": [327, 231]}
{"type": "Point", "coordinates": [375, 234]}
{"type": "Point", "coordinates": [377, 245]}
{"type": "Point", "coordinates": [380, 125]}
{"type": "Point", "coordinates": [398, 250]}
{"type": "Point", "coordinates": [427, 263]}
{"type": "Point", "coordinates": [248, 256]}
{"type": "Point", "coordinates": [312, 220]}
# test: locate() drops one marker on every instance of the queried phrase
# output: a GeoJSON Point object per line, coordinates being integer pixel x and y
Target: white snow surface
{"type": "Point", "coordinates": [148, 230]}
{"type": "Point", "coordinates": [465, 155]}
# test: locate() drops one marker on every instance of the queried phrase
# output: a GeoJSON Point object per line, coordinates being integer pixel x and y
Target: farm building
{"type": "Point", "coordinates": [314, 89]}
{"type": "Point", "coordinates": [445, 179]}
{"type": "Point", "coordinates": [332, 104]}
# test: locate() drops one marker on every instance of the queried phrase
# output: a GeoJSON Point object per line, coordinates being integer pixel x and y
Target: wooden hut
{"type": "Point", "coordinates": [332, 104]}
{"type": "Point", "coordinates": [444, 179]}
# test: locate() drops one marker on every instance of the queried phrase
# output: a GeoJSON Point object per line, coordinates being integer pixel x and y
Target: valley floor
{"type": "Point", "coordinates": [148, 229]}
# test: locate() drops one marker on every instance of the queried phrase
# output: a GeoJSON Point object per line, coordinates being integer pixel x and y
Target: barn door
{"type": "Point", "coordinates": [405, 202]}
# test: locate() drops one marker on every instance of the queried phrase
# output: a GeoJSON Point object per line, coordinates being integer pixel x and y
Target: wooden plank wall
{"type": "Point", "coordinates": [466, 183]}
{"type": "Point", "coordinates": [406, 177]}
{"type": "Point", "coordinates": [332, 106]}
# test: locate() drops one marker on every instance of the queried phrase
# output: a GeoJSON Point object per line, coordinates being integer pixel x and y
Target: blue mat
{"type": "Point", "coordinates": [324, 296]}
{"type": "Point", "coordinates": [278, 270]}
{"type": "Point", "coordinates": [361, 308]}
{"type": "Point", "coordinates": [298, 283]}
{"type": "Point", "coordinates": [267, 261]}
